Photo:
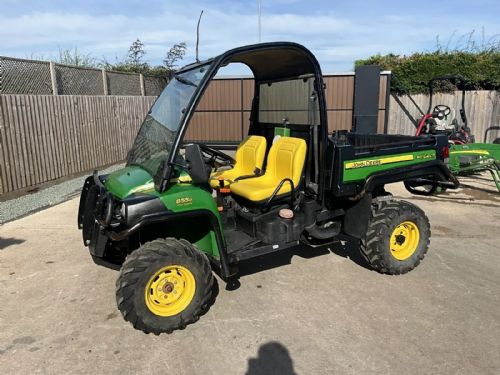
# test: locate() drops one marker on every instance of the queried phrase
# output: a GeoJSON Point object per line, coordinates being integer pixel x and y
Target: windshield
{"type": "Point", "coordinates": [157, 134]}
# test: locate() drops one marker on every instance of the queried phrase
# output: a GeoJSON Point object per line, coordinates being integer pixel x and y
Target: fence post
{"type": "Point", "coordinates": [143, 89]}
{"type": "Point", "coordinates": [495, 118]}
{"type": "Point", "coordinates": [53, 78]}
{"type": "Point", "coordinates": [105, 82]}
{"type": "Point", "coordinates": [387, 101]}
{"type": "Point", "coordinates": [242, 108]}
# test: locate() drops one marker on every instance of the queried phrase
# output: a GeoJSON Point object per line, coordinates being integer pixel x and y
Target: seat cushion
{"type": "Point", "coordinates": [258, 189]}
{"type": "Point", "coordinates": [285, 160]}
{"type": "Point", "coordinates": [249, 156]}
{"type": "Point", "coordinates": [227, 176]}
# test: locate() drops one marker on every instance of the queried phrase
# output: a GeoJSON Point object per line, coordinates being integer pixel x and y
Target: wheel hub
{"type": "Point", "coordinates": [168, 287]}
{"type": "Point", "coordinates": [400, 239]}
{"type": "Point", "coordinates": [404, 240]}
{"type": "Point", "coordinates": [170, 290]}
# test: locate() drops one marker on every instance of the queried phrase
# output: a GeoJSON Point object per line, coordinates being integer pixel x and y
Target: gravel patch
{"type": "Point", "coordinates": [15, 208]}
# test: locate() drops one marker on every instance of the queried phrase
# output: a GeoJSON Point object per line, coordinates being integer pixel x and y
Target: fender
{"type": "Point", "coordinates": [223, 261]}
{"type": "Point", "coordinates": [434, 168]}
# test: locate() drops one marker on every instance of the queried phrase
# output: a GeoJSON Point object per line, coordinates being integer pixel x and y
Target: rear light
{"type": "Point", "coordinates": [445, 152]}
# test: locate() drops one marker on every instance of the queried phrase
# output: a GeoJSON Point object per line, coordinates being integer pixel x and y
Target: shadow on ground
{"type": "Point", "coordinates": [6, 242]}
{"type": "Point", "coordinates": [345, 247]}
{"type": "Point", "coordinates": [272, 358]}
{"type": "Point", "coordinates": [488, 190]}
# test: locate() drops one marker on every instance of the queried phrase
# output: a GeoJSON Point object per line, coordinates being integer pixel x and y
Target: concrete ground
{"type": "Point", "coordinates": [303, 311]}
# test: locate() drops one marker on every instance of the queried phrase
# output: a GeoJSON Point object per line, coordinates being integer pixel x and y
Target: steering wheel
{"type": "Point", "coordinates": [441, 111]}
{"type": "Point", "coordinates": [214, 157]}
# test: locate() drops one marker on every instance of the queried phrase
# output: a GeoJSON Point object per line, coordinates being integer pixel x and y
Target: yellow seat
{"type": "Point", "coordinates": [285, 160]}
{"type": "Point", "coordinates": [249, 156]}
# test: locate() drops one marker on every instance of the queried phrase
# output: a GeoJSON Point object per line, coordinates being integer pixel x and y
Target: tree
{"type": "Point", "coordinates": [136, 53]}
{"type": "Point", "coordinates": [175, 54]}
{"type": "Point", "coordinates": [75, 58]}
{"type": "Point", "coordinates": [133, 62]}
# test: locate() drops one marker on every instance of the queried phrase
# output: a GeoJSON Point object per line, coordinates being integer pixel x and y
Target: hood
{"type": "Point", "coordinates": [129, 180]}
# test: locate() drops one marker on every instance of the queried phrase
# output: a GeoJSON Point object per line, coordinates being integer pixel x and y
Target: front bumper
{"type": "Point", "coordinates": [94, 214]}
{"type": "Point", "coordinates": [104, 218]}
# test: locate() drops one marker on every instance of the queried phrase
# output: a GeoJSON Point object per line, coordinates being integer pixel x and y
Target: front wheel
{"type": "Point", "coordinates": [164, 285]}
{"type": "Point", "coordinates": [397, 238]}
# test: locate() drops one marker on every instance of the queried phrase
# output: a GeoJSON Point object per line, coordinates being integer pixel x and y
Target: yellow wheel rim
{"type": "Point", "coordinates": [170, 290]}
{"type": "Point", "coordinates": [404, 240]}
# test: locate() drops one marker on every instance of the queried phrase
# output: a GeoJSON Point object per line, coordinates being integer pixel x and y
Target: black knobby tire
{"type": "Point", "coordinates": [139, 268]}
{"type": "Point", "coordinates": [385, 217]}
{"type": "Point", "coordinates": [425, 190]}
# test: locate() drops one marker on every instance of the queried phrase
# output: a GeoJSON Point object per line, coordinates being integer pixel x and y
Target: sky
{"type": "Point", "coordinates": [337, 32]}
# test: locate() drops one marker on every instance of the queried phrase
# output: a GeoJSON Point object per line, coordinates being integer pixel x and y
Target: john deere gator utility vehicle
{"type": "Point", "coordinates": [177, 212]}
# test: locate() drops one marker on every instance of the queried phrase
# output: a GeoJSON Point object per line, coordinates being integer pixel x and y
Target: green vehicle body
{"type": "Point", "coordinates": [179, 197]}
{"type": "Point", "coordinates": [185, 196]}
{"type": "Point", "coordinates": [361, 169]}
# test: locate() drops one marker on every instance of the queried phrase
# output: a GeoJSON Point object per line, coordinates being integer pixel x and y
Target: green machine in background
{"type": "Point", "coordinates": [474, 158]}
{"type": "Point", "coordinates": [466, 157]}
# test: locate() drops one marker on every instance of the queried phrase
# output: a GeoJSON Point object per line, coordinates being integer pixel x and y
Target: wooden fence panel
{"type": "Point", "coordinates": [47, 137]}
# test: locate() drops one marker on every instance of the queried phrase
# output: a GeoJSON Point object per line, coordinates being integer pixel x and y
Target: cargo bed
{"type": "Point", "coordinates": [356, 160]}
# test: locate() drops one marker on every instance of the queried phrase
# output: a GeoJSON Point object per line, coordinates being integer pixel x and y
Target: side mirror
{"type": "Point", "coordinates": [196, 165]}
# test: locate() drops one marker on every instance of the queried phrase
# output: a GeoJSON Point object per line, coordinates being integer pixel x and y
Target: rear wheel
{"type": "Point", "coordinates": [397, 238]}
{"type": "Point", "coordinates": [164, 285]}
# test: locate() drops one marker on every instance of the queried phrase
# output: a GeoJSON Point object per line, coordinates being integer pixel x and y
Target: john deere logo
{"type": "Point", "coordinates": [184, 201]}
{"type": "Point", "coordinates": [377, 162]}
{"type": "Point", "coordinates": [365, 163]}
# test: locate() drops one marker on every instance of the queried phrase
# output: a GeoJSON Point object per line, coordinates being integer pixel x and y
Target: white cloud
{"type": "Point", "coordinates": [336, 40]}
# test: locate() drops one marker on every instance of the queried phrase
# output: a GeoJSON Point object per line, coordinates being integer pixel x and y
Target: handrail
{"type": "Point", "coordinates": [275, 192]}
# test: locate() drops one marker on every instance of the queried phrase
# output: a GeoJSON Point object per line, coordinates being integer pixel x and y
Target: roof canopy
{"type": "Point", "coordinates": [274, 61]}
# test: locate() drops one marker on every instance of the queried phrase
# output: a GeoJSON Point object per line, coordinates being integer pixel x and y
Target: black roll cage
{"type": "Point", "coordinates": [308, 60]}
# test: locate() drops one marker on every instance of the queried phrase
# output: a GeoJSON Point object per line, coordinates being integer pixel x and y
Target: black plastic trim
{"type": "Point", "coordinates": [435, 168]}
{"type": "Point", "coordinates": [357, 216]}
{"type": "Point", "coordinates": [168, 216]}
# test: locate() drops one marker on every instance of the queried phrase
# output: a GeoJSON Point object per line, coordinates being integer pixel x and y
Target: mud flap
{"type": "Point", "coordinates": [357, 216]}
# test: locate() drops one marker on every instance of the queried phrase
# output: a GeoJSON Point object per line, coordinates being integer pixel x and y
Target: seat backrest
{"type": "Point", "coordinates": [250, 154]}
{"type": "Point", "coordinates": [286, 159]}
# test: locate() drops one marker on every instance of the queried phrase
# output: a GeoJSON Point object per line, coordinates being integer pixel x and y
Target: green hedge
{"type": "Point", "coordinates": [411, 73]}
